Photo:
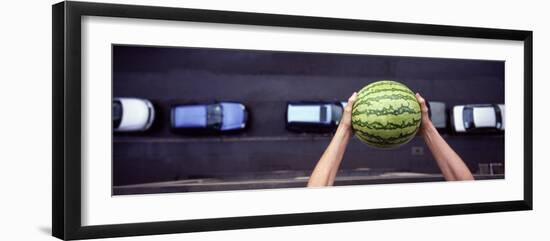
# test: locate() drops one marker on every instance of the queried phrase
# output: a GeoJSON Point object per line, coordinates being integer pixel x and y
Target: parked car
{"type": "Point", "coordinates": [478, 118]}
{"type": "Point", "coordinates": [438, 114]}
{"type": "Point", "coordinates": [209, 118]}
{"type": "Point", "coordinates": [313, 116]}
{"type": "Point", "coordinates": [132, 114]}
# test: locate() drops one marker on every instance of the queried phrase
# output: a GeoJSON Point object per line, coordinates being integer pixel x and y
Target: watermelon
{"type": "Point", "coordinates": [385, 114]}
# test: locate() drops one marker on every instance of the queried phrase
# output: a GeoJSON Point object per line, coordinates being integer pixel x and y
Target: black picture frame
{"type": "Point", "coordinates": [66, 127]}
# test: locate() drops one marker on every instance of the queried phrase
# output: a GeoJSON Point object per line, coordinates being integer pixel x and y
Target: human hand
{"type": "Point", "coordinates": [425, 122]}
{"type": "Point", "coordinates": [345, 122]}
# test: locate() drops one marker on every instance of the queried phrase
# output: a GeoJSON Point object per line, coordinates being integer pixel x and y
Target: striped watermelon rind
{"type": "Point", "coordinates": [386, 114]}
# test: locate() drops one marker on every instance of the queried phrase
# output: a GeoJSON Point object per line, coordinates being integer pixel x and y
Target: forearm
{"type": "Point", "coordinates": [325, 171]}
{"type": "Point", "coordinates": [451, 165]}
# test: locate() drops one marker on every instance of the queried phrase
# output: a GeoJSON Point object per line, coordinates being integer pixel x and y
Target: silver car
{"type": "Point", "coordinates": [313, 116]}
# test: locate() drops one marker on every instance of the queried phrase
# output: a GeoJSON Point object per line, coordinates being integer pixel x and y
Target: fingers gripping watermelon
{"type": "Point", "coordinates": [386, 114]}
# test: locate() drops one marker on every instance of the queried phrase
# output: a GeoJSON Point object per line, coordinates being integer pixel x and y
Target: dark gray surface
{"type": "Point", "coordinates": [264, 81]}
{"type": "Point", "coordinates": [202, 185]}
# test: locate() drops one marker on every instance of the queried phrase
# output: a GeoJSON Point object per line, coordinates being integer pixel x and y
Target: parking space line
{"type": "Point", "coordinates": [219, 139]}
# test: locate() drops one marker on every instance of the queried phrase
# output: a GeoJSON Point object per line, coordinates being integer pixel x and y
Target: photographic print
{"type": "Point", "coordinates": [189, 119]}
{"type": "Point", "coordinates": [161, 114]}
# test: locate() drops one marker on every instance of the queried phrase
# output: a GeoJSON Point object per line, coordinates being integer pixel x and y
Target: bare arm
{"type": "Point", "coordinates": [451, 165]}
{"type": "Point", "coordinates": [327, 166]}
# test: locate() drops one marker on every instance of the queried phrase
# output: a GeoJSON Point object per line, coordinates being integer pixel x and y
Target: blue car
{"type": "Point", "coordinates": [210, 118]}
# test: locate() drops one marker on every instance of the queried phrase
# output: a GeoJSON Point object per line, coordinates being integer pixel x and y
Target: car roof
{"type": "Point", "coordinates": [304, 113]}
{"type": "Point", "coordinates": [189, 116]}
{"type": "Point", "coordinates": [484, 116]}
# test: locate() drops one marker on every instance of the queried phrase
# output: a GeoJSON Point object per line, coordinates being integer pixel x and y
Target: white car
{"type": "Point", "coordinates": [474, 118]}
{"type": "Point", "coordinates": [309, 116]}
{"type": "Point", "coordinates": [132, 114]}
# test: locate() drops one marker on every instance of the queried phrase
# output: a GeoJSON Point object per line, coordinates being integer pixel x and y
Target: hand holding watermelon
{"type": "Point", "coordinates": [345, 122]}
{"type": "Point", "coordinates": [451, 165]}
{"type": "Point", "coordinates": [386, 114]}
{"type": "Point", "coordinates": [325, 171]}
{"type": "Point", "coordinates": [425, 116]}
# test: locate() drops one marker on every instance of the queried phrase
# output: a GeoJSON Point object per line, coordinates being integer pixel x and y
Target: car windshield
{"type": "Point", "coordinates": [117, 113]}
{"type": "Point", "coordinates": [323, 115]}
{"type": "Point", "coordinates": [214, 116]}
{"type": "Point", "coordinates": [468, 116]}
{"type": "Point", "coordinates": [336, 113]}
